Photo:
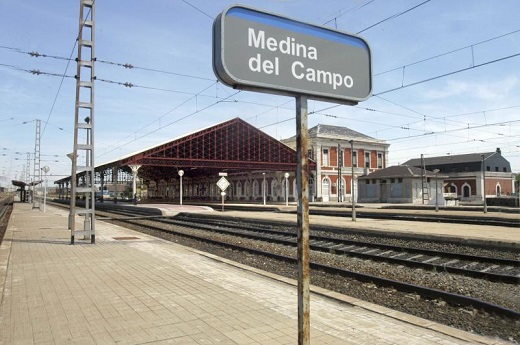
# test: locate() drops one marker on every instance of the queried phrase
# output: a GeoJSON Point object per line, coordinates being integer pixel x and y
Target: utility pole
{"type": "Point", "coordinates": [484, 183]}
{"type": "Point", "coordinates": [84, 109]}
{"type": "Point", "coordinates": [353, 181]}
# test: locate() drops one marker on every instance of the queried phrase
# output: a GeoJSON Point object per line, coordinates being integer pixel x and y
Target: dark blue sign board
{"type": "Point", "coordinates": [269, 53]}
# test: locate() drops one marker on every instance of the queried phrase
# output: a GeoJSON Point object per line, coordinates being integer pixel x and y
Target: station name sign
{"type": "Point", "coordinates": [269, 53]}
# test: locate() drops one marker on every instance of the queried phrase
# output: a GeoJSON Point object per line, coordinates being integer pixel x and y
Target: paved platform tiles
{"type": "Point", "coordinates": [130, 288]}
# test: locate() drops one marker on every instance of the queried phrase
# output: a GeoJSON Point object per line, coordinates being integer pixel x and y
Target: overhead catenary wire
{"type": "Point", "coordinates": [448, 74]}
{"type": "Point", "coordinates": [342, 13]}
{"type": "Point", "coordinates": [37, 72]}
{"type": "Point", "coordinates": [128, 65]}
{"type": "Point", "coordinates": [171, 123]}
{"type": "Point", "coordinates": [394, 16]}
{"type": "Point", "coordinates": [159, 89]}
{"type": "Point", "coordinates": [64, 74]}
{"type": "Point", "coordinates": [448, 52]}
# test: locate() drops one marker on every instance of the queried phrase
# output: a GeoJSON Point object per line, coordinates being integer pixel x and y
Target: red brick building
{"type": "Point", "coordinates": [340, 153]}
{"type": "Point", "coordinates": [471, 176]}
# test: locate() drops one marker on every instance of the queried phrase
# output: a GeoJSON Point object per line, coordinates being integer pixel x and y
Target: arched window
{"type": "Point", "coordinates": [499, 189]}
{"type": "Point", "coordinates": [466, 191]}
{"type": "Point", "coordinates": [247, 188]}
{"type": "Point", "coordinates": [274, 187]}
{"type": "Point", "coordinates": [239, 189]}
{"type": "Point", "coordinates": [452, 188]}
{"type": "Point", "coordinates": [256, 188]}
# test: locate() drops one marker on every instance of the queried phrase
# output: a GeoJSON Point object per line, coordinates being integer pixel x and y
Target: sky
{"type": "Point", "coordinates": [445, 76]}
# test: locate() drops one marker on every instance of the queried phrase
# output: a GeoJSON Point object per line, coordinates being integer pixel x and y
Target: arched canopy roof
{"type": "Point", "coordinates": [233, 145]}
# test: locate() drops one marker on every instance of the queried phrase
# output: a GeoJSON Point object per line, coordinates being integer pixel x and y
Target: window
{"type": "Point", "coordinates": [392, 180]}
{"type": "Point", "coordinates": [325, 158]}
{"type": "Point", "coordinates": [380, 160]}
{"type": "Point", "coordinates": [367, 159]}
{"type": "Point", "coordinates": [400, 180]}
{"type": "Point", "coordinates": [354, 159]}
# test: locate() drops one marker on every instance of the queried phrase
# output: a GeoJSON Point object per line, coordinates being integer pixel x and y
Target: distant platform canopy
{"type": "Point", "coordinates": [234, 145]}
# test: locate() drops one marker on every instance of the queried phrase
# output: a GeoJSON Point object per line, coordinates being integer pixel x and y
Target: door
{"type": "Point", "coordinates": [325, 190]}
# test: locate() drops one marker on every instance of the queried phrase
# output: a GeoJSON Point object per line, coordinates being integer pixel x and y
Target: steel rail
{"type": "Point", "coordinates": [425, 292]}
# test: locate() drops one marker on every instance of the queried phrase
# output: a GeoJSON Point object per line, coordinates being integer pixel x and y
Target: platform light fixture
{"type": "Point", "coordinates": [45, 170]}
{"type": "Point", "coordinates": [484, 183]}
{"type": "Point", "coordinates": [181, 173]}
{"type": "Point", "coordinates": [263, 187]}
{"type": "Point", "coordinates": [286, 175]}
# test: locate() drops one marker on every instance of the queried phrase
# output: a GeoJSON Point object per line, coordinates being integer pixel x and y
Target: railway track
{"type": "Point", "coordinates": [334, 246]}
{"type": "Point", "coordinates": [6, 204]}
{"type": "Point", "coordinates": [482, 267]}
{"type": "Point", "coordinates": [476, 305]}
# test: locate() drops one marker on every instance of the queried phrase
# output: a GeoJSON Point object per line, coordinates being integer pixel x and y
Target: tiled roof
{"type": "Point", "coordinates": [450, 159]}
{"type": "Point", "coordinates": [399, 171]}
{"type": "Point", "coordinates": [338, 132]}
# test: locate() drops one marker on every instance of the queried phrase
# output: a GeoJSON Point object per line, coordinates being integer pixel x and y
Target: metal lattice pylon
{"type": "Point", "coordinates": [37, 176]}
{"type": "Point", "coordinates": [83, 175]}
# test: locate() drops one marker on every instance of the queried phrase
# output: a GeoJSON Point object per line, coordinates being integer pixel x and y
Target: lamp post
{"type": "Point", "coordinates": [45, 171]}
{"type": "Point", "coordinates": [181, 172]}
{"type": "Point", "coordinates": [436, 171]}
{"type": "Point", "coordinates": [286, 175]}
{"type": "Point", "coordinates": [263, 187]}
{"type": "Point", "coordinates": [484, 184]}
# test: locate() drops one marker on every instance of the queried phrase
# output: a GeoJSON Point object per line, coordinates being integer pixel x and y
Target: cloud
{"type": "Point", "coordinates": [477, 90]}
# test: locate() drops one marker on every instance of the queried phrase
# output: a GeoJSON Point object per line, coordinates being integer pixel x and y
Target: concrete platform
{"type": "Point", "coordinates": [169, 210]}
{"type": "Point", "coordinates": [130, 288]}
{"type": "Point", "coordinates": [507, 237]}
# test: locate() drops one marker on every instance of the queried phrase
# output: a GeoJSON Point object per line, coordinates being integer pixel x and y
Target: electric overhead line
{"type": "Point", "coordinates": [170, 123]}
{"type": "Point", "coordinates": [107, 62]}
{"type": "Point", "coordinates": [198, 9]}
{"type": "Point", "coordinates": [457, 129]}
{"type": "Point", "coordinates": [64, 74]}
{"type": "Point", "coordinates": [132, 85]}
{"type": "Point", "coordinates": [394, 16]}
{"type": "Point", "coordinates": [157, 119]}
{"type": "Point", "coordinates": [130, 66]}
{"type": "Point", "coordinates": [447, 74]}
{"type": "Point", "coordinates": [448, 52]}
{"type": "Point", "coordinates": [358, 7]}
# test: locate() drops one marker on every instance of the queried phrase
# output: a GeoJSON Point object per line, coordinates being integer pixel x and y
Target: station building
{"type": "Point", "coordinates": [257, 166]}
{"type": "Point", "coordinates": [403, 184]}
{"type": "Point", "coordinates": [340, 154]}
{"type": "Point", "coordinates": [471, 177]}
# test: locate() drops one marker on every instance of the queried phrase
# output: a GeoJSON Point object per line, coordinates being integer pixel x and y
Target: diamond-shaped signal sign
{"type": "Point", "coordinates": [223, 184]}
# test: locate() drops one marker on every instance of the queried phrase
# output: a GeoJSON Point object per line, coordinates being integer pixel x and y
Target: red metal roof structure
{"type": "Point", "coordinates": [233, 145]}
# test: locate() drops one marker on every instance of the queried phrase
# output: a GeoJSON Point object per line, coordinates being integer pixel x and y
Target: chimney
{"type": "Point", "coordinates": [499, 151]}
